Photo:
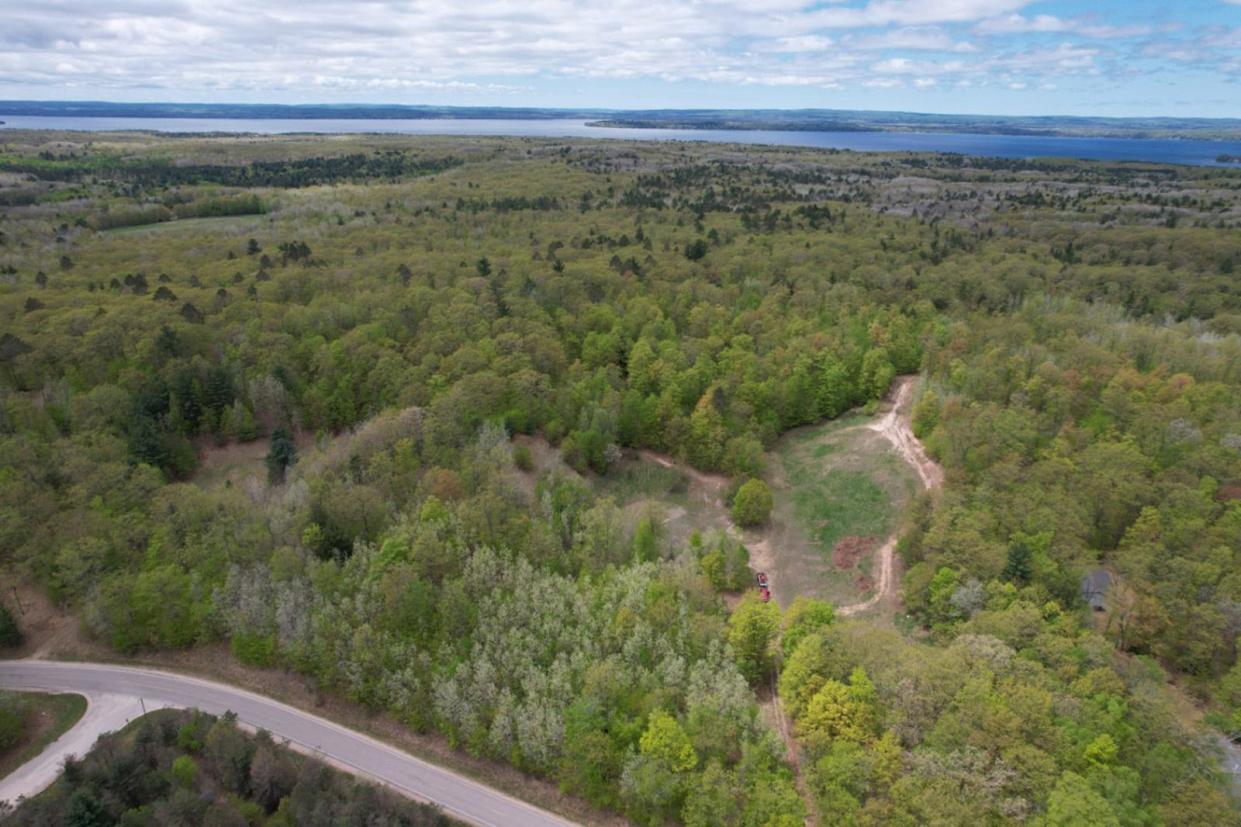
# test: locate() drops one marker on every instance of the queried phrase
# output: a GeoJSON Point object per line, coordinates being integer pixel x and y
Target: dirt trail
{"type": "Point", "coordinates": [709, 489]}
{"type": "Point", "coordinates": [894, 425]}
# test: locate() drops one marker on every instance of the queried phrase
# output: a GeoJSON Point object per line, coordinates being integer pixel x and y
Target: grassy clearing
{"type": "Point", "coordinates": [645, 480]}
{"type": "Point", "coordinates": [219, 222]}
{"type": "Point", "coordinates": [232, 463]}
{"type": "Point", "coordinates": [840, 504]}
{"type": "Point", "coordinates": [832, 481]}
{"type": "Point", "coordinates": [47, 718]}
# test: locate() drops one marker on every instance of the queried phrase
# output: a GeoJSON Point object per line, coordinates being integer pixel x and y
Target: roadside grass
{"type": "Point", "coordinates": [47, 718]}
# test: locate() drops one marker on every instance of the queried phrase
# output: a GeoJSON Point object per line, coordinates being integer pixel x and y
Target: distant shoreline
{"type": "Point", "coordinates": [958, 129]}
{"type": "Point", "coordinates": [801, 120]}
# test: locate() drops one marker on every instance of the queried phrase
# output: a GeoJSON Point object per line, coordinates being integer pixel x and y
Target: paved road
{"type": "Point", "coordinates": [458, 796]}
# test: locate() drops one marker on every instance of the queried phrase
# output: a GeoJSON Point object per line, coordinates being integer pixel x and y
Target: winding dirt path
{"type": "Point", "coordinates": [895, 426]}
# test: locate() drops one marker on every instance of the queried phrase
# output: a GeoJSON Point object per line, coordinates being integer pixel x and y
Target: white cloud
{"type": "Point", "coordinates": [1045, 23]}
{"type": "Point", "coordinates": [912, 38]}
{"type": "Point", "coordinates": [1016, 24]}
{"type": "Point", "coordinates": [410, 51]}
{"type": "Point", "coordinates": [802, 43]}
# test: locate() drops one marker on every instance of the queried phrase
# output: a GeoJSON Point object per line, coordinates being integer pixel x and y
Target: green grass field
{"type": "Point", "coordinates": [831, 481]}
{"type": "Point", "coordinates": [840, 504]}
{"type": "Point", "coordinates": [189, 225]}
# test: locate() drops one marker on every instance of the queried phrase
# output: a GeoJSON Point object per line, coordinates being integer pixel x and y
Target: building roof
{"type": "Point", "coordinates": [1094, 587]}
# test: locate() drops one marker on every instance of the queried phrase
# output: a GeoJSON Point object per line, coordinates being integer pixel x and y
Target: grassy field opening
{"type": "Point", "coordinates": [839, 490]}
{"type": "Point", "coordinates": [188, 225]}
{"type": "Point", "coordinates": [44, 718]}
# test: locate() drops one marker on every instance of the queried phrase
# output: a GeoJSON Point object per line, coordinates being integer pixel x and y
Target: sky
{"type": "Point", "coordinates": [1013, 57]}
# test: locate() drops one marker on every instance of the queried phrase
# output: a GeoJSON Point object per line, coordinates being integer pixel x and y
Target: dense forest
{"type": "Point", "coordinates": [398, 322]}
{"type": "Point", "coordinates": [190, 768]}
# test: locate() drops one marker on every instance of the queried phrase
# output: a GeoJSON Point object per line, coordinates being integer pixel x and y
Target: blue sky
{"type": "Point", "coordinates": [984, 56]}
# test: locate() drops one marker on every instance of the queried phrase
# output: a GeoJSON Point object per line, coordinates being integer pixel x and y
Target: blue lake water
{"type": "Point", "coordinates": [1171, 151]}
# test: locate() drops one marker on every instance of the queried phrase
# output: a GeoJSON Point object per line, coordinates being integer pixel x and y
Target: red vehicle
{"type": "Point", "coordinates": [764, 594]}
{"type": "Point", "coordinates": [762, 579]}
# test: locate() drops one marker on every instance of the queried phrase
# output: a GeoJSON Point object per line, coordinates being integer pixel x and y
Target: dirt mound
{"type": "Point", "coordinates": [847, 552]}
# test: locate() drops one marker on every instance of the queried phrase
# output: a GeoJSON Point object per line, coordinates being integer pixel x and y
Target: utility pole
{"type": "Point", "coordinates": [17, 597]}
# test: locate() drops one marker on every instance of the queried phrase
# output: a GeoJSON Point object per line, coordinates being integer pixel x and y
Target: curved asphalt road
{"type": "Point", "coordinates": [458, 796]}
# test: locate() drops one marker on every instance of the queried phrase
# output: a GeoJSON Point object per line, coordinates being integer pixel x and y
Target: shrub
{"type": "Point", "coordinates": [12, 720]}
{"type": "Point", "coordinates": [752, 504]}
{"type": "Point", "coordinates": [256, 650]}
{"type": "Point", "coordinates": [185, 771]}
{"type": "Point", "coordinates": [10, 634]}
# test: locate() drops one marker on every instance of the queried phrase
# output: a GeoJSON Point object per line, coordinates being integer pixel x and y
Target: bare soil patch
{"type": "Point", "coordinates": [44, 625]}
{"type": "Point", "coordinates": [850, 550]}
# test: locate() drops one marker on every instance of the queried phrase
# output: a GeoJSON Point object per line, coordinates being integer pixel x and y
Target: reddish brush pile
{"type": "Point", "coordinates": [847, 552]}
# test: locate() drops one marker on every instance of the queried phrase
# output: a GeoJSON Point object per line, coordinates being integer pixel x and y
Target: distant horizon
{"type": "Point", "coordinates": [600, 110]}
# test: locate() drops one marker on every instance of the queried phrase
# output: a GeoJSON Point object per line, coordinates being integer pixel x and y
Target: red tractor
{"type": "Point", "coordinates": [763, 591]}
{"type": "Point", "coordinates": [764, 595]}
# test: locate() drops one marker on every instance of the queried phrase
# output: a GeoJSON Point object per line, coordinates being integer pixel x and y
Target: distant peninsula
{"type": "Point", "coordinates": [798, 120]}
{"type": "Point", "coordinates": [841, 120]}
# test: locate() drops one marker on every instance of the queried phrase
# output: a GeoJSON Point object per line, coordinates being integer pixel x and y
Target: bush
{"type": "Point", "coordinates": [12, 720]}
{"type": "Point", "coordinates": [256, 650]}
{"type": "Point", "coordinates": [185, 771]}
{"type": "Point", "coordinates": [523, 458]}
{"type": "Point", "coordinates": [10, 634]}
{"type": "Point", "coordinates": [752, 504]}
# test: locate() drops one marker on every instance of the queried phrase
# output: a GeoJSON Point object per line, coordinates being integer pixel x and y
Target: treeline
{"type": "Point", "coordinates": [198, 208]}
{"type": "Point", "coordinates": [153, 173]}
{"type": "Point", "coordinates": [190, 768]}
{"type": "Point", "coordinates": [543, 629]}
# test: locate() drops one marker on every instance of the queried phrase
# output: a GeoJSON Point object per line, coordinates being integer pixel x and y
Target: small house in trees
{"type": "Point", "coordinates": [1094, 589]}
